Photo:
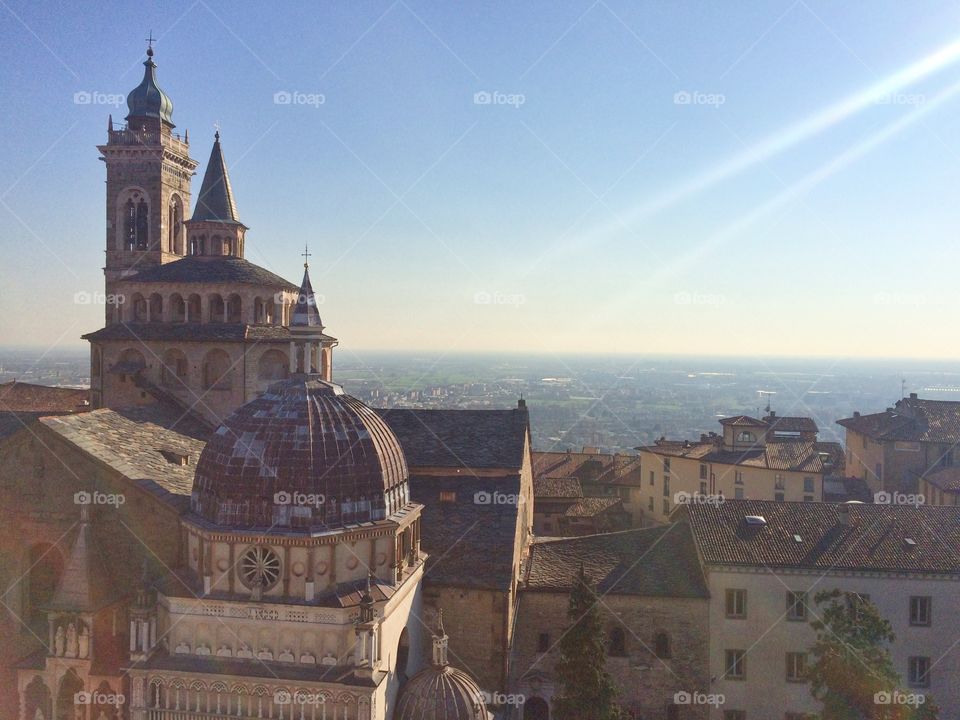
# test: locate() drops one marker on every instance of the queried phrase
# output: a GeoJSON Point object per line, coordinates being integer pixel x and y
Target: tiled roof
{"type": "Point", "coordinates": [841, 489]}
{"type": "Point", "coordinates": [209, 269]}
{"type": "Point", "coordinates": [469, 541]}
{"type": "Point", "coordinates": [786, 423]}
{"type": "Point", "coordinates": [610, 469]}
{"type": "Point", "coordinates": [658, 561]}
{"type": "Point", "coordinates": [135, 449]}
{"type": "Point", "coordinates": [592, 506]}
{"type": "Point", "coordinates": [22, 403]}
{"type": "Point", "coordinates": [193, 332]}
{"type": "Point", "coordinates": [460, 438]}
{"type": "Point", "coordinates": [911, 420]}
{"type": "Point", "coordinates": [947, 479]}
{"type": "Point", "coordinates": [550, 487]}
{"type": "Point", "coordinates": [874, 539]}
{"type": "Point", "coordinates": [743, 421]}
{"type": "Point", "coordinates": [792, 455]}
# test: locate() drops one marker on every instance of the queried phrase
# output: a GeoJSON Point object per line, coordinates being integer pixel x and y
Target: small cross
{"type": "Point", "coordinates": [216, 127]}
{"type": "Point", "coordinates": [151, 40]}
{"type": "Point", "coordinates": [306, 254]}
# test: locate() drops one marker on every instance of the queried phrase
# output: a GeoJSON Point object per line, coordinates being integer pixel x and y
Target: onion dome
{"type": "Point", "coordinates": [304, 455]}
{"type": "Point", "coordinates": [441, 692]}
{"type": "Point", "coordinates": [147, 100]}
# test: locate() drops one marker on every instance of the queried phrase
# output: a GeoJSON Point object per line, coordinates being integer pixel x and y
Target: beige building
{"type": "Point", "coordinates": [652, 595]}
{"type": "Point", "coordinates": [899, 449]}
{"type": "Point", "coordinates": [764, 562]}
{"type": "Point", "coordinates": [774, 458]}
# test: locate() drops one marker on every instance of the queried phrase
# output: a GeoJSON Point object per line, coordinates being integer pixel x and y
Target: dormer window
{"type": "Point", "coordinates": [746, 437]}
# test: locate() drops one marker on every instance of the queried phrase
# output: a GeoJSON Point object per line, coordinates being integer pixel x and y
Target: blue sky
{"type": "Point", "coordinates": [654, 177]}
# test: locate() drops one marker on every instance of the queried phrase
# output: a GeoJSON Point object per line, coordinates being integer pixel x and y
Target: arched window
{"type": "Point", "coordinates": [175, 230]}
{"type": "Point", "coordinates": [198, 245]}
{"type": "Point", "coordinates": [178, 309]}
{"type": "Point", "coordinates": [234, 309]}
{"type": "Point", "coordinates": [143, 224]}
{"type": "Point", "coordinates": [227, 246]}
{"type": "Point", "coordinates": [156, 308]}
{"type": "Point", "coordinates": [661, 645]}
{"type": "Point", "coordinates": [193, 308]}
{"type": "Point", "coordinates": [67, 706]}
{"type": "Point", "coordinates": [130, 225]}
{"type": "Point", "coordinates": [139, 306]}
{"type": "Point", "coordinates": [617, 646]}
{"type": "Point", "coordinates": [216, 308]}
{"type": "Point", "coordinates": [37, 700]}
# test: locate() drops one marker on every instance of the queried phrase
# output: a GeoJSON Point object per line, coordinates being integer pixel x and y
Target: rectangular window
{"type": "Point", "coordinates": [736, 664]}
{"type": "Point", "coordinates": [652, 481]}
{"type": "Point", "coordinates": [779, 483]}
{"type": "Point", "coordinates": [448, 496]}
{"type": "Point", "coordinates": [778, 496]}
{"type": "Point", "coordinates": [808, 498]}
{"type": "Point", "coordinates": [808, 484]}
{"type": "Point", "coordinates": [543, 642]}
{"type": "Point", "coordinates": [920, 610]}
{"type": "Point", "coordinates": [736, 603]}
{"type": "Point", "coordinates": [703, 488]}
{"type": "Point", "coordinates": [703, 471]}
{"type": "Point", "coordinates": [796, 666]}
{"type": "Point", "coordinates": [796, 605]}
{"type": "Point", "coordinates": [918, 674]}
{"type": "Point", "coordinates": [738, 493]}
{"type": "Point", "coordinates": [666, 465]}
{"type": "Point", "coordinates": [737, 477]}
{"type": "Point", "coordinates": [666, 486]}
{"type": "Point", "coordinates": [904, 446]}
{"type": "Point", "coordinates": [650, 503]}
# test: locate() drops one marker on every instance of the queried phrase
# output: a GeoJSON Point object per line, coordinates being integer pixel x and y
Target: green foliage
{"type": "Point", "coordinates": [852, 673]}
{"type": "Point", "coordinates": [585, 688]}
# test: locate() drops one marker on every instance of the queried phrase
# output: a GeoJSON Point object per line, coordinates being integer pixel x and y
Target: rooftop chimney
{"type": "Point", "coordinates": [843, 514]}
{"type": "Point", "coordinates": [913, 396]}
{"type": "Point", "coordinates": [856, 413]}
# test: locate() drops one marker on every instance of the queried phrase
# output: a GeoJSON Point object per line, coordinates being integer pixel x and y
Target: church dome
{"type": "Point", "coordinates": [147, 100]}
{"type": "Point", "coordinates": [441, 693]}
{"type": "Point", "coordinates": [304, 455]}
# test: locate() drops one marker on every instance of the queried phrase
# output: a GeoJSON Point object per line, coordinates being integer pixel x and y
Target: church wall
{"type": "Point", "coordinates": [640, 675]}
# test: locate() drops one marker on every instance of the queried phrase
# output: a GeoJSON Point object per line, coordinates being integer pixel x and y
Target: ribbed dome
{"type": "Point", "coordinates": [302, 455]}
{"type": "Point", "coordinates": [147, 99]}
{"type": "Point", "coordinates": [441, 692]}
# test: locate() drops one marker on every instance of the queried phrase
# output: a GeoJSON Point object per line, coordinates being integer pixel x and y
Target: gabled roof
{"type": "Point", "coordinates": [207, 269]}
{"type": "Point", "coordinates": [792, 455]}
{"type": "Point", "coordinates": [215, 202]}
{"type": "Point", "coordinates": [550, 487]}
{"type": "Point", "coordinates": [481, 439]}
{"type": "Point", "coordinates": [743, 421]}
{"type": "Point", "coordinates": [657, 561]}
{"type": "Point", "coordinates": [874, 538]}
{"type": "Point", "coordinates": [946, 479]}
{"type": "Point", "coordinates": [911, 420]}
{"type": "Point", "coordinates": [85, 585]}
{"type": "Point", "coordinates": [786, 423]}
{"type": "Point", "coordinates": [606, 469]}
{"type": "Point", "coordinates": [593, 506]}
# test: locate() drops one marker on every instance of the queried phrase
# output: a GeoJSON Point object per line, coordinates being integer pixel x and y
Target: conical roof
{"type": "Point", "coordinates": [86, 585]}
{"type": "Point", "coordinates": [215, 202]}
{"type": "Point", "coordinates": [305, 313]}
{"type": "Point", "coordinates": [147, 100]}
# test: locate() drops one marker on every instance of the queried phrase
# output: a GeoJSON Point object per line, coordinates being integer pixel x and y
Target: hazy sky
{"type": "Point", "coordinates": [612, 176]}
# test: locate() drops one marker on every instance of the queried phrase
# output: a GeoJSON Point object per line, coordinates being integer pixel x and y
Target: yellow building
{"type": "Point", "coordinates": [774, 458]}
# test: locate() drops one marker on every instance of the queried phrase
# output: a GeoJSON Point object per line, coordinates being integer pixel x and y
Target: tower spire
{"type": "Point", "coordinates": [216, 203]}
{"type": "Point", "coordinates": [440, 644]}
{"type": "Point", "coordinates": [305, 313]}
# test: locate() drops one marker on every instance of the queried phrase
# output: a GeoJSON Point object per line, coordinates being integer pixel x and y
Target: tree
{"type": "Point", "coordinates": [852, 673]}
{"type": "Point", "coordinates": [585, 688]}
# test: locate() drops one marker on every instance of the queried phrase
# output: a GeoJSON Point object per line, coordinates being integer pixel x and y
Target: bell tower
{"type": "Point", "coordinates": [149, 169]}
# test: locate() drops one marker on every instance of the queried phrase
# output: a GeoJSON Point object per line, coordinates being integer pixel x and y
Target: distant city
{"type": "Point", "coordinates": [612, 403]}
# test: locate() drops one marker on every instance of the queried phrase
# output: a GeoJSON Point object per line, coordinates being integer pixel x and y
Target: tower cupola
{"type": "Point", "coordinates": [147, 100]}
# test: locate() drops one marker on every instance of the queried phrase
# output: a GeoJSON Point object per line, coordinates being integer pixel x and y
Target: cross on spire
{"type": "Point", "coordinates": [306, 254]}
{"type": "Point", "coordinates": [216, 129]}
{"type": "Point", "coordinates": [150, 41]}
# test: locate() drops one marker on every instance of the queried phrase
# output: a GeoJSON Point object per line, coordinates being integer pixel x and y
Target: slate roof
{"type": "Point", "coordinates": [791, 455]}
{"type": "Point", "coordinates": [481, 439]}
{"type": "Point", "coordinates": [874, 540]}
{"type": "Point", "coordinates": [613, 469]}
{"type": "Point", "coordinates": [210, 269]}
{"type": "Point", "coordinates": [194, 332]}
{"type": "Point", "coordinates": [592, 506]}
{"type": "Point", "coordinates": [911, 420]}
{"type": "Point", "coordinates": [550, 487]}
{"type": "Point", "coordinates": [134, 448]}
{"type": "Point", "coordinates": [470, 544]}
{"type": "Point", "coordinates": [655, 562]}
{"type": "Point", "coordinates": [215, 202]}
{"type": "Point", "coordinates": [947, 479]}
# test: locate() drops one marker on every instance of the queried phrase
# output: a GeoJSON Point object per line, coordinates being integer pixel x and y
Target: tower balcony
{"type": "Point", "coordinates": [125, 135]}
